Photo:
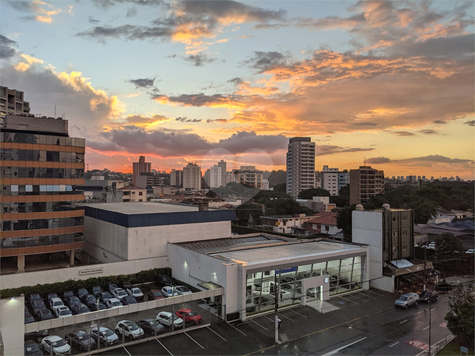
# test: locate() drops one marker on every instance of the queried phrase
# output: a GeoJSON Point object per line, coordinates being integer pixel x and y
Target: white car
{"type": "Point", "coordinates": [104, 335]}
{"type": "Point", "coordinates": [119, 293]}
{"type": "Point", "coordinates": [167, 318]}
{"type": "Point", "coordinates": [470, 250]}
{"type": "Point", "coordinates": [183, 290]}
{"type": "Point", "coordinates": [169, 292]}
{"type": "Point", "coordinates": [62, 312]}
{"type": "Point", "coordinates": [54, 345]}
{"type": "Point", "coordinates": [129, 329]}
{"type": "Point", "coordinates": [55, 303]}
{"type": "Point", "coordinates": [113, 303]}
{"type": "Point", "coordinates": [135, 292]}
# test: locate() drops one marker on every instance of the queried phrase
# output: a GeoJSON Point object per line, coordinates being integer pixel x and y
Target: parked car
{"type": "Point", "coordinates": [37, 304]}
{"type": "Point", "coordinates": [164, 281]}
{"type": "Point", "coordinates": [433, 296]}
{"type": "Point", "coordinates": [71, 301]}
{"type": "Point", "coordinates": [32, 348]}
{"type": "Point", "coordinates": [34, 296]}
{"type": "Point", "coordinates": [55, 303]}
{"type": "Point", "coordinates": [36, 335]}
{"type": "Point", "coordinates": [43, 314]}
{"type": "Point", "coordinates": [136, 293]}
{"type": "Point", "coordinates": [95, 307]}
{"type": "Point", "coordinates": [104, 296]}
{"type": "Point", "coordinates": [167, 318]}
{"type": "Point", "coordinates": [67, 294]}
{"type": "Point", "coordinates": [407, 300]}
{"type": "Point", "coordinates": [96, 290]}
{"type": "Point", "coordinates": [82, 292]}
{"type": "Point", "coordinates": [28, 317]}
{"type": "Point", "coordinates": [190, 316]}
{"type": "Point", "coordinates": [62, 312]}
{"type": "Point", "coordinates": [250, 306]}
{"type": "Point", "coordinates": [79, 309]}
{"type": "Point", "coordinates": [127, 300]}
{"type": "Point", "coordinates": [55, 345]}
{"type": "Point", "coordinates": [113, 303]}
{"type": "Point", "coordinates": [265, 300]}
{"type": "Point", "coordinates": [111, 287]}
{"type": "Point", "coordinates": [81, 340]}
{"type": "Point", "coordinates": [470, 250]}
{"type": "Point", "coordinates": [150, 326]}
{"type": "Point", "coordinates": [127, 285]}
{"type": "Point", "coordinates": [169, 292]}
{"type": "Point", "coordinates": [104, 336]}
{"type": "Point", "coordinates": [119, 293]}
{"type": "Point", "coordinates": [155, 294]}
{"type": "Point", "coordinates": [50, 296]}
{"type": "Point", "coordinates": [183, 290]}
{"type": "Point", "coordinates": [129, 329]}
{"type": "Point", "coordinates": [88, 298]}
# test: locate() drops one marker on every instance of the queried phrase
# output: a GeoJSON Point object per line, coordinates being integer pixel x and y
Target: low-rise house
{"type": "Point", "coordinates": [284, 223]}
{"type": "Point", "coordinates": [322, 223]}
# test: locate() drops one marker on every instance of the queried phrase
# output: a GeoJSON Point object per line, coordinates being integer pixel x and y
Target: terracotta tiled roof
{"type": "Point", "coordinates": [130, 187]}
{"type": "Point", "coordinates": [325, 218]}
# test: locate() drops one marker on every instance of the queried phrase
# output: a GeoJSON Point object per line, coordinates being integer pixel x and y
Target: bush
{"type": "Point", "coordinates": [61, 287]}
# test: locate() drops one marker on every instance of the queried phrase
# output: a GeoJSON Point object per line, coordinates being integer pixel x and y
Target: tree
{"type": "Point", "coordinates": [448, 243]}
{"type": "Point", "coordinates": [344, 221]}
{"type": "Point", "coordinates": [282, 188]}
{"type": "Point", "coordinates": [314, 192]}
{"type": "Point", "coordinates": [460, 319]}
{"type": "Point", "coordinates": [244, 211]}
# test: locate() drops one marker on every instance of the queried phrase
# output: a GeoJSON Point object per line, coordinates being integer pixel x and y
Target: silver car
{"type": "Point", "coordinates": [407, 300]}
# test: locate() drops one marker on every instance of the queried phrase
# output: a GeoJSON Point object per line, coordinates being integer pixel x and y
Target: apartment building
{"type": "Point", "coordinates": [176, 178]}
{"type": "Point", "coordinates": [12, 103]}
{"type": "Point", "coordinates": [366, 182]}
{"type": "Point", "coordinates": [140, 167]}
{"type": "Point", "coordinates": [40, 167]}
{"type": "Point", "coordinates": [250, 176]}
{"type": "Point", "coordinates": [222, 165]}
{"type": "Point", "coordinates": [132, 193]}
{"type": "Point", "coordinates": [300, 165]}
{"type": "Point", "coordinates": [192, 176]}
{"type": "Point", "coordinates": [333, 179]}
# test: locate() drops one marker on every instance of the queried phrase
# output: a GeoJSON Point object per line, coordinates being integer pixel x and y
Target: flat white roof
{"type": "Point", "coordinates": [131, 208]}
{"type": "Point", "coordinates": [281, 254]}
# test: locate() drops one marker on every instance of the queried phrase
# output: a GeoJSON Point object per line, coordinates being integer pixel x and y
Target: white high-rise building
{"type": "Point", "coordinates": [215, 177]}
{"type": "Point", "coordinates": [300, 165]}
{"type": "Point", "coordinates": [222, 165]}
{"type": "Point", "coordinates": [192, 176]}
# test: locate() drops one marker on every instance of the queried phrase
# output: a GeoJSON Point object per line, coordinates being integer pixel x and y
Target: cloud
{"type": "Point", "coordinates": [221, 121]}
{"type": "Point", "coordinates": [199, 100]}
{"type": "Point", "coordinates": [264, 61]}
{"type": "Point", "coordinates": [199, 60]}
{"type": "Point", "coordinates": [323, 150]}
{"type": "Point", "coordinates": [42, 11]}
{"type": "Point", "coordinates": [438, 158]}
{"type": "Point", "coordinates": [185, 119]}
{"type": "Point", "coordinates": [131, 12]}
{"type": "Point", "coordinates": [92, 20]}
{"type": "Point", "coordinates": [139, 120]}
{"type": "Point", "coordinates": [377, 160]}
{"type": "Point", "coordinates": [470, 123]}
{"type": "Point", "coordinates": [403, 133]}
{"type": "Point", "coordinates": [7, 47]}
{"type": "Point", "coordinates": [106, 4]}
{"type": "Point", "coordinates": [440, 122]}
{"type": "Point", "coordinates": [428, 132]}
{"type": "Point", "coordinates": [142, 82]}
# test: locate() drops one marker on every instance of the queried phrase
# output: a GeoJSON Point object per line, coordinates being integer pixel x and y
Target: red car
{"type": "Point", "coordinates": [189, 316]}
{"type": "Point", "coordinates": [155, 294]}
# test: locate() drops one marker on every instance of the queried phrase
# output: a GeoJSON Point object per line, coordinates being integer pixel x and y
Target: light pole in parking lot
{"type": "Point", "coordinates": [276, 303]}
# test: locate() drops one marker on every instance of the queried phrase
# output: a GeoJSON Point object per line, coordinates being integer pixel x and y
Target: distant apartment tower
{"type": "Point", "coordinates": [41, 166]}
{"type": "Point", "coordinates": [222, 164]}
{"type": "Point", "coordinates": [250, 176]}
{"type": "Point", "coordinates": [192, 176]}
{"type": "Point", "coordinates": [365, 183]}
{"type": "Point", "coordinates": [176, 178]}
{"type": "Point", "coordinates": [216, 176]}
{"type": "Point", "coordinates": [12, 103]}
{"type": "Point", "coordinates": [140, 167]}
{"type": "Point", "coordinates": [300, 165]}
{"type": "Point", "coordinates": [333, 179]}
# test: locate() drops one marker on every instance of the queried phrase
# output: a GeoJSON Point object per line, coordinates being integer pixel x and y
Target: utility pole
{"type": "Point", "coordinates": [276, 303]}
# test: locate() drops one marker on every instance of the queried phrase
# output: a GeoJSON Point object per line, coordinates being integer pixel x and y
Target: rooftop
{"type": "Point", "coordinates": [130, 187]}
{"type": "Point", "coordinates": [131, 208]}
{"type": "Point", "coordinates": [326, 218]}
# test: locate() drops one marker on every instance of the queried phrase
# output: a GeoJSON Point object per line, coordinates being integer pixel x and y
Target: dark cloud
{"type": "Point", "coordinates": [365, 123]}
{"type": "Point", "coordinates": [222, 121]}
{"type": "Point", "coordinates": [377, 160]}
{"type": "Point", "coordinates": [131, 12]}
{"type": "Point", "coordinates": [470, 123]}
{"type": "Point", "coordinates": [93, 21]}
{"type": "Point", "coordinates": [7, 49]}
{"type": "Point", "coordinates": [199, 60]}
{"type": "Point", "coordinates": [139, 119]}
{"type": "Point", "coordinates": [106, 4]}
{"type": "Point", "coordinates": [332, 149]}
{"type": "Point", "coordinates": [170, 143]}
{"type": "Point", "coordinates": [437, 159]}
{"type": "Point", "coordinates": [403, 133]}
{"type": "Point", "coordinates": [127, 32]}
{"type": "Point", "coordinates": [263, 61]}
{"type": "Point", "coordinates": [428, 132]}
{"type": "Point", "coordinates": [185, 119]}
{"type": "Point", "coordinates": [235, 80]}
{"type": "Point", "coordinates": [142, 82]}
{"type": "Point", "coordinates": [199, 99]}
{"type": "Point", "coordinates": [440, 122]}
{"type": "Point", "coordinates": [23, 6]}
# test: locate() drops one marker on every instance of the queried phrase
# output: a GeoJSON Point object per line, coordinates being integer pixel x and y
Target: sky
{"type": "Point", "coordinates": [389, 84]}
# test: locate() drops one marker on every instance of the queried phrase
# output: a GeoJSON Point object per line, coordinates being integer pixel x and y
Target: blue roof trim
{"type": "Point", "coordinates": [159, 219]}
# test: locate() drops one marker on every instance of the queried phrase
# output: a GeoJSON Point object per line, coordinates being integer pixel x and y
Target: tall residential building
{"type": "Point", "coordinates": [365, 183]}
{"type": "Point", "coordinates": [300, 165]}
{"type": "Point", "coordinates": [192, 176]}
{"type": "Point", "coordinates": [40, 167]}
{"type": "Point", "coordinates": [140, 167]}
{"type": "Point", "coordinates": [176, 178]}
{"type": "Point", "coordinates": [12, 103]}
{"type": "Point", "coordinates": [216, 176]}
{"type": "Point", "coordinates": [222, 164]}
{"type": "Point", "coordinates": [333, 179]}
{"type": "Point", "coordinates": [249, 175]}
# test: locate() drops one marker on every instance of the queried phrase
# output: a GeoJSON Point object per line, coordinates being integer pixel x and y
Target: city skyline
{"type": "Point", "coordinates": [388, 84]}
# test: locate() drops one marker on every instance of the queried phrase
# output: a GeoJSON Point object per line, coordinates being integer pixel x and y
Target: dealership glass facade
{"type": "Point", "coordinates": [344, 275]}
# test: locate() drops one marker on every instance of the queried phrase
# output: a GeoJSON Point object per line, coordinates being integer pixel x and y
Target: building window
{"type": "Point", "coordinates": [394, 218]}
{"type": "Point", "coordinates": [140, 193]}
{"type": "Point", "coordinates": [404, 233]}
{"type": "Point", "coordinates": [327, 228]}
{"type": "Point", "coordinates": [404, 247]}
{"type": "Point", "coordinates": [394, 233]}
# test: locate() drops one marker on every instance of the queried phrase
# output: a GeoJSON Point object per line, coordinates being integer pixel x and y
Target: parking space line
{"type": "Point", "coordinates": [127, 351]}
{"type": "Point", "coordinates": [427, 327]}
{"type": "Point", "coordinates": [401, 322]}
{"type": "Point", "coordinates": [348, 299]}
{"type": "Point", "coordinates": [194, 340]}
{"type": "Point", "coordinates": [259, 324]}
{"type": "Point", "coordinates": [298, 313]}
{"type": "Point", "coordinates": [217, 334]}
{"type": "Point", "coordinates": [373, 292]}
{"type": "Point", "coordinates": [265, 316]}
{"type": "Point", "coordinates": [394, 344]}
{"type": "Point", "coordinates": [237, 329]}
{"type": "Point", "coordinates": [164, 347]}
{"type": "Point", "coordinates": [286, 317]}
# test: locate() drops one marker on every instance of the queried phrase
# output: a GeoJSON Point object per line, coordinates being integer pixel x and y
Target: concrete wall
{"type": "Point", "coordinates": [367, 229]}
{"type": "Point", "coordinates": [107, 238]}
{"type": "Point", "coordinates": [11, 323]}
{"type": "Point", "coordinates": [80, 273]}
{"type": "Point", "coordinates": [384, 283]}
